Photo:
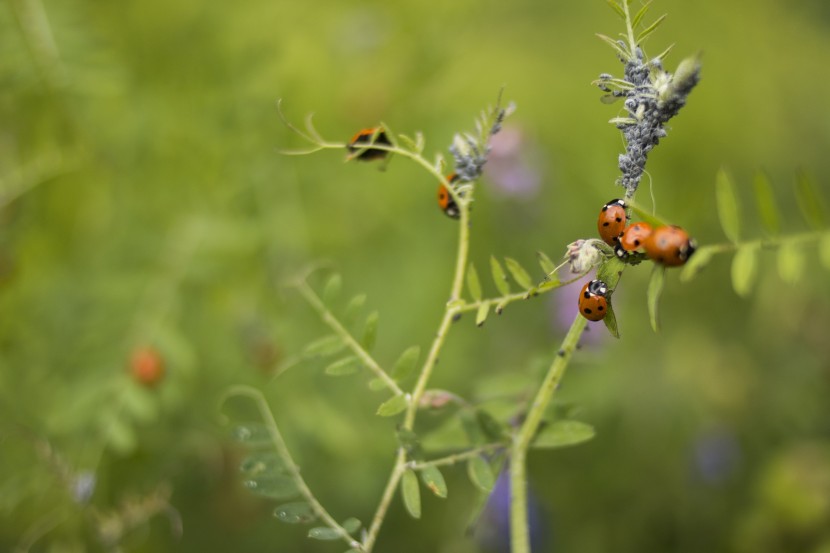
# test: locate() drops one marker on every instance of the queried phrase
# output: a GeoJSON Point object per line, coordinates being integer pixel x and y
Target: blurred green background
{"type": "Point", "coordinates": [143, 203]}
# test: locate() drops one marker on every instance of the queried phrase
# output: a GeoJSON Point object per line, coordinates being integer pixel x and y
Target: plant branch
{"type": "Point", "coordinates": [291, 466]}
{"type": "Point", "coordinates": [385, 500]}
{"type": "Point", "coordinates": [317, 304]}
{"type": "Point", "coordinates": [502, 301]}
{"type": "Point", "coordinates": [519, 532]}
{"type": "Point", "coordinates": [455, 457]}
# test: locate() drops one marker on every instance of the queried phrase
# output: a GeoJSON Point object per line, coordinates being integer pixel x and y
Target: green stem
{"type": "Point", "coordinates": [317, 304]}
{"type": "Point", "coordinates": [426, 371]}
{"type": "Point", "coordinates": [385, 500]}
{"type": "Point", "coordinates": [291, 466]}
{"type": "Point", "coordinates": [519, 531]}
{"type": "Point", "coordinates": [510, 298]}
{"type": "Point", "coordinates": [766, 243]}
{"type": "Point", "coordinates": [455, 457]}
{"type": "Point", "coordinates": [632, 44]}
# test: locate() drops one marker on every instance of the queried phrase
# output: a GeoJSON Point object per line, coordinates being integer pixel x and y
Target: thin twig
{"type": "Point", "coordinates": [455, 457]}
{"type": "Point", "coordinates": [314, 300]}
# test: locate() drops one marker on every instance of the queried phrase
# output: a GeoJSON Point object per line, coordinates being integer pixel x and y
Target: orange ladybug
{"type": "Point", "coordinates": [611, 221]}
{"type": "Point", "coordinates": [445, 201]}
{"type": "Point", "coordinates": [634, 236]}
{"type": "Point", "coordinates": [368, 137]}
{"type": "Point", "coordinates": [147, 366]}
{"type": "Point", "coordinates": [593, 300]}
{"type": "Point", "coordinates": [669, 246]}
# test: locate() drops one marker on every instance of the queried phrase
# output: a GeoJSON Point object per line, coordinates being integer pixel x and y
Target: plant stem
{"type": "Point", "coordinates": [291, 466]}
{"type": "Point", "coordinates": [632, 44]}
{"type": "Point", "coordinates": [519, 531]}
{"type": "Point", "coordinates": [450, 312]}
{"type": "Point", "coordinates": [385, 500]}
{"type": "Point", "coordinates": [766, 243]}
{"type": "Point", "coordinates": [314, 300]}
{"type": "Point", "coordinates": [526, 294]}
{"type": "Point", "coordinates": [455, 457]}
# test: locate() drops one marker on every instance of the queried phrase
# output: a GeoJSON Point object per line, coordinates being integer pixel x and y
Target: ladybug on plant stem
{"type": "Point", "coordinates": [669, 246]}
{"type": "Point", "coordinates": [635, 236]}
{"type": "Point", "coordinates": [593, 300]}
{"type": "Point", "coordinates": [611, 221]}
{"type": "Point", "coordinates": [445, 200]}
{"type": "Point", "coordinates": [363, 140]}
{"type": "Point", "coordinates": [147, 366]}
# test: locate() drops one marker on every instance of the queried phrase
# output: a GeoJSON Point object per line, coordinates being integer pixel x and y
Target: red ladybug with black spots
{"type": "Point", "coordinates": [445, 200]}
{"type": "Point", "coordinates": [362, 142]}
{"type": "Point", "coordinates": [593, 300]}
{"type": "Point", "coordinates": [611, 221]}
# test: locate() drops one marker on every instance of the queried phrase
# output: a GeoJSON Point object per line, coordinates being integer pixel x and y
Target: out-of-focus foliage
{"type": "Point", "coordinates": [143, 205]}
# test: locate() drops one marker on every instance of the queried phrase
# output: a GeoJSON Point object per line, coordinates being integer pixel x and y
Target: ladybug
{"type": "Point", "coordinates": [611, 221]}
{"type": "Point", "coordinates": [445, 201]}
{"type": "Point", "coordinates": [593, 300]}
{"type": "Point", "coordinates": [635, 236]}
{"type": "Point", "coordinates": [367, 137]}
{"type": "Point", "coordinates": [147, 366]}
{"type": "Point", "coordinates": [669, 246]}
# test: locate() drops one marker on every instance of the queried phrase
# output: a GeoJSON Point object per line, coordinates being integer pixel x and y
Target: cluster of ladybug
{"type": "Point", "coordinates": [667, 245]}
{"type": "Point", "coordinates": [360, 148]}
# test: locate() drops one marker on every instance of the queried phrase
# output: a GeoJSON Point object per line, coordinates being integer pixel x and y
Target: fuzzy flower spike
{"type": "Point", "coordinates": [652, 96]}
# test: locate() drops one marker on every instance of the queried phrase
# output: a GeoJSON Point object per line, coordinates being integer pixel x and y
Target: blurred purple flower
{"type": "Point", "coordinates": [492, 530]}
{"type": "Point", "coordinates": [716, 455]}
{"type": "Point", "coordinates": [513, 165]}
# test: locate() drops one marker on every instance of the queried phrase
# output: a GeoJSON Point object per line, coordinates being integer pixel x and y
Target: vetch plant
{"type": "Point", "coordinates": [651, 97]}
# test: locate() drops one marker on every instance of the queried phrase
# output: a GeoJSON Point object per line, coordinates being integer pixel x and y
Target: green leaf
{"type": "Point", "coordinates": [765, 199]}
{"type": "Point", "coordinates": [274, 486]}
{"type": "Point", "coordinates": [261, 463]}
{"type": "Point", "coordinates": [377, 384]}
{"type": "Point", "coordinates": [406, 363]}
{"type": "Point", "coordinates": [616, 7]}
{"type": "Point", "coordinates": [343, 367]}
{"type": "Point", "coordinates": [824, 251]}
{"type": "Point", "coordinates": [790, 262]}
{"type": "Point", "coordinates": [622, 51]}
{"type": "Point", "coordinates": [353, 308]}
{"type": "Point", "coordinates": [393, 406]}
{"type": "Point", "coordinates": [411, 493]}
{"type": "Point", "coordinates": [562, 434]}
{"type": "Point", "coordinates": [351, 525]}
{"type": "Point", "coordinates": [610, 321]}
{"type": "Point", "coordinates": [325, 346]}
{"type": "Point", "coordinates": [483, 311]}
{"type": "Point", "coordinates": [469, 422]}
{"type": "Point", "coordinates": [809, 201]}
{"type": "Point", "coordinates": [473, 283]}
{"type": "Point", "coordinates": [655, 289]}
{"type": "Point", "coordinates": [728, 209]}
{"type": "Point", "coordinates": [696, 263]}
{"type": "Point", "coordinates": [332, 288]}
{"type": "Point", "coordinates": [650, 29]}
{"type": "Point", "coordinates": [638, 17]}
{"type": "Point", "coordinates": [370, 331]}
{"type": "Point", "coordinates": [492, 429]}
{"type": "Point", "coordinates": [548, 266]}
{"type": "Point", "coordinates": [480, 473]}
{"type": "Point", "coordinates": [499, 277]}
{"type": "Point", "coordinates": [252, 434]}
{"type": "Point", "coordinates": [296, 513]}
{"type": "Point", "coordinates": [519, 274]}
{"type": "Point", "coordinates": [611, 271]}
{"type": "Point", "coordinates": [324, 533]}
{"type": "Point", "coordinates": [743, 270]}
{"type": "Point", "coordinates": [434, 480]}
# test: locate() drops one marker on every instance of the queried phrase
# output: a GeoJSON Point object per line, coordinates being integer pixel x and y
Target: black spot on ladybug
{"type": "Point", "coordinates": [599, 308]}
{"type": "Point", "coordinates": [587, 311]}
{"type": "Point", "coordinates": [587, 294]}
{"type": "Point", "coordinates": [619, 219]}
{"type": "Point", "coordinates": [636, 242]}
{"type": "Point", "coordinates": [605, 224]}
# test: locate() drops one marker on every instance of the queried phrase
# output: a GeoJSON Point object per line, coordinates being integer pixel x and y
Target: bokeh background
{"type": "Point", "coordinates": [143, 203]}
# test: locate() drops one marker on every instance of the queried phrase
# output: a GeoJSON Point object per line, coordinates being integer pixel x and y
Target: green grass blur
{"type": "Point", "coordinates": [143, 202]}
